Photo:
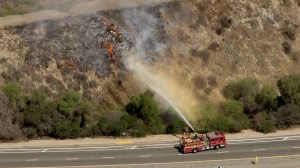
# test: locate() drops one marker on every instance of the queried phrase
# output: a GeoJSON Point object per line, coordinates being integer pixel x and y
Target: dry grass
{"type": "Point", "coordinates": [19, 7]}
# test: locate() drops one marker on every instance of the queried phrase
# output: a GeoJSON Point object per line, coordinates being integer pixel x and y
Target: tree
{"type": "Point", "coordinates": [264, 122]}
{"type": "Point", "coordinates": [79, 115]}
{"type": "Point", "coordinates": [15, 95]}
{"type": "Point", "coordinates": [10, 130]}
{"type": "Point", "coordinates": [177, 126]}
{"type": "Point", "coordinates": [234, 111]}
{"type": "Point", "coordinates": [37, 114]}
{"type": "Point", "coordinates": [68, 103]}
{"type": "Point", "coordinates": [243, 90]}
{"type": "Point", "coordinates": [174, 123]}
{"type": "Point", "coordinates": [212, 120]}
{"type": "Point", "coordinates": [66, 129]}
{"type": "Point", "coordinates": [266, 99]}
{"type": "Point", "coordinates": [289, 87]}
{"type": "Point", "coordinates": [36, 105]}
{"type": "Point", "coordinates": [143, 106]}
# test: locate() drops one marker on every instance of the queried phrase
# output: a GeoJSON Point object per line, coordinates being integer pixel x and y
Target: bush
{"type": "Point", "coordinates": [15, 95]}
{"type": "Point", "coordinates": [67, 129]}
{"type": "Point", "coordinates": [234, 111]}
{"type": "Point", "coordinates": [289, 87]}
{"type": "Point", "coordinates": [133, 126]}
{"type": "Point", "coordinates": [286, 47]}
{"type": "Point", "coordinates": [240, 89]}
{"type": "Point", "coordinates": [10, 128]}
{"type": "Point", "coordinates": [287, 115]}
{"type": "Point", "coordinates": [264, 122]}
{"type": "Point", "coordinates": [243, 90]}
{"type": "Point", "coordinates": [143, 106]}
{"type": "Point", "coordinates": [212, 120]}
{"type": "Point", "coordinates": [266, 99]}
{"type": "Point", "coordinates": [176, 127]}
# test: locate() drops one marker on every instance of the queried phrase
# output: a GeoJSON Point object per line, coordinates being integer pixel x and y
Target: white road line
{"type": "Point", "coordinates": [133, 147]}
{"type": "Point", "coordinates": [259, 150]}
{"type": "Point", "coordinates": [72, 158]}
{"type": "Point", "coordinates": [108, 157]}
{"type": "Point", "coordinates": [261, 141]}
{"type": "Point", "coordinates": [45, 150]}
{"type": "Point", "coordinates": [145, 156]}
{"type": "Point", "coordinates": [31, 160]}
{"type": "Point", "coordinates": [296, 147]}
{"type": "Point", "coordinates": [285, 138]}
{"type": "Point", "coordinates": [223, 152]}
{"type": "Point", "coordinates": [160, 144]}
{"type": "Point", "coordinates": [253, 139]}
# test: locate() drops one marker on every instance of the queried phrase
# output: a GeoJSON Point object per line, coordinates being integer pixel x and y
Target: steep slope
{"type": "Point", "coordinates": [195, 46]}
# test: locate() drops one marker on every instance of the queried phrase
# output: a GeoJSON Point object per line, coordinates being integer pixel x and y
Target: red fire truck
{"type": "Point", "coordinates": [212, 140]}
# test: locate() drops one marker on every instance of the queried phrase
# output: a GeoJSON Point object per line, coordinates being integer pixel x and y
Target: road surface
{"type": "Point", "coordinates": [156, 154]}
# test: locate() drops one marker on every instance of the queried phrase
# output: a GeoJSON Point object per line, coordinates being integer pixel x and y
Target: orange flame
{"type": "Point", "coordinates": [110, 50]}
{"type": "Point", "coordinates": [71, 64]}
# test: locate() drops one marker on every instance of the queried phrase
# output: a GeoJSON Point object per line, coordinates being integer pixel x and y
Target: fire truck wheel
{"type": "Point", "coordinates": [217, 147]}
{"type": "Point", "coordinates": [195, 150]}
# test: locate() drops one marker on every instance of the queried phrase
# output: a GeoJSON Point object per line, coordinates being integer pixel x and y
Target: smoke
{"type": "Point", "coordinates": [147, 62]}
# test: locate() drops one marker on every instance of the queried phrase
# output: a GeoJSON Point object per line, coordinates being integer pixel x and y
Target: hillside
{"type": "Point", "coordinates": [190, 48]}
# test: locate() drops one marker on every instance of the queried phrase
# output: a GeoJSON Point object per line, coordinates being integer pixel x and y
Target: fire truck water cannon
{"type": "Point", "coordinates": [202, 142]}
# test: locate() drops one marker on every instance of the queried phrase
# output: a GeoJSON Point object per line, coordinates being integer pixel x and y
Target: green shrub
{"type": "Point", "coordinates": [242, 88]}
{"type": "Point", "coordinates": [68, 103]}
{"type": "Point", "coordinates": [143, 106]}
{"type": "Point", "coordinates": [133, 126]}
{"type": "Point", "coordinates": [67, 129]}
{"type": "Point", "coordinates": [212, 120]}
{"type": "Point", "coordinates": [176, 127]}
{"type": "Point", "coordinates": [234, 111]}
{"type": "Point", "coordinates": [266, 99]}
{"type": "Point", "coordinates": [289, 87]}
{"type": "Point", "coordinates": [264, 122]}
{"type": "Point", "coordinates": [15, 95]}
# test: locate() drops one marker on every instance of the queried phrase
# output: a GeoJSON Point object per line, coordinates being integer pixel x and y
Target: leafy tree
{"type": "Point", "coordinates": [15, 95]}
{"type": "Point", "coordinates": [76, 116]}
{"type": "Point", "coordinates": [287, 116]}
{"type": "Point", "coordinates": [212, 120]}
{"type": "Point", "coordinates": [177, 126]}
{"type": "Point", "coordinates": [264, 122]}
{"type": "Point", "coordinates": [266, 99]}
{"type": "Point", "coordinates": [67, 129]}
{"type": "Point", "coordinates": [243, 90]}
{"type": "Point", "coordinates": [68, 103]}
{"type": "Point", "coordinates": [102, 127]}
{"type": "Point", "coordinates": [174, 123]}
{"type": "Point", "coordinates": [133, 126]}
{"type": "Point", "coordinates": [234, 111]}
{"type": "Point", "coordinates": [36, 105]}
{"type": "Point", "coordinates": [289, 87]}
{"type": "Point", "coordinates": [143, 106]}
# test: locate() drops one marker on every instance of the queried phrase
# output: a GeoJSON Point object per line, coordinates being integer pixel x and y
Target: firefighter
{"type": "Point", "coordinates": [186, 130]}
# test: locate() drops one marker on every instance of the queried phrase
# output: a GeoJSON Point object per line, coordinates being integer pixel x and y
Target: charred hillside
{"type": "Point", "coordinates": [203, 44]}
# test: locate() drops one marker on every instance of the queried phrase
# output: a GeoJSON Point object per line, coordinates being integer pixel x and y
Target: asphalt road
{"type": "Point", "coordinates": [141, 154]}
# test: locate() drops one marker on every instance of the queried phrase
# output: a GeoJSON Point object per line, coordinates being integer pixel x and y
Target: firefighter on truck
{"type": "Point", "coordinates": [211, 140]}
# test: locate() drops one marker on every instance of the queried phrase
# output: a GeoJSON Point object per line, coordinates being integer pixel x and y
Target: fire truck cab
{"type": "Point", "coordinates": [212, 140]}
